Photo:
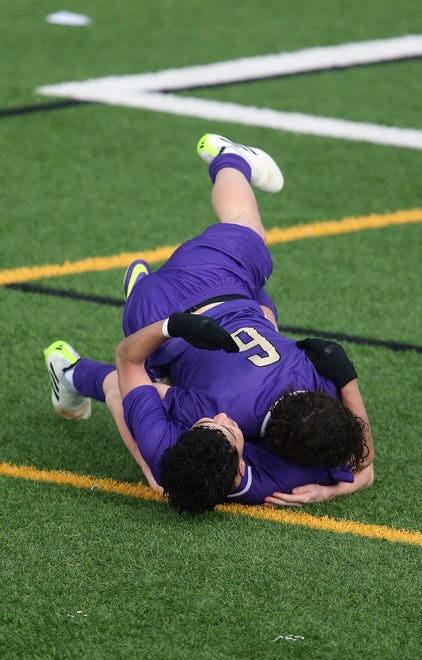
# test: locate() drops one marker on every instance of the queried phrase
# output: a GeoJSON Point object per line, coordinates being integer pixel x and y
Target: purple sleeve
{"type": "Point", "coordinates": [188, 406]}
{"type": "Point", "coordinates": [150, 425]}
{"type": "Point", "coordinates": [266, 473]}
{"type": "Point", "coordinates": [340, 474]}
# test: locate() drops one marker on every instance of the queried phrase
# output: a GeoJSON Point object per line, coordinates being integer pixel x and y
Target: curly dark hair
{"type": "Point", "coordinates": [313, 428]}
{"type": "Point", "coordinates": [198, 472]}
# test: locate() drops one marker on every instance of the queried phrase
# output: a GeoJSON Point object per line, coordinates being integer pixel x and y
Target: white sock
{"type": "Point", "coordinates": [68, 375]}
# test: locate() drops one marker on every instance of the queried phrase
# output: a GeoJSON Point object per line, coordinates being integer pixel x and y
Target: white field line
{"type": "Point", "coordinates": [146, 90]}
{"type": "Point", "coordinates": [292, 122]}
{"type": "Point", "coordinates": [256, 68]}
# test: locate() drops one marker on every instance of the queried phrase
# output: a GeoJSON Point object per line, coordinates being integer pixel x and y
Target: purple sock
{"type": "Point", "coordinates": [88, 377]}
{"type": "Point", "coordinates": [229, 160]}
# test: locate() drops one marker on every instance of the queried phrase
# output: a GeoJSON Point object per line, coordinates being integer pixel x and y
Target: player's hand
{"type": "Point", "coordinates": [298, 497]}
{"type": "Point", "coordinates": [200, 331]}
{"type": "Point", "coordinates": [330, 359]}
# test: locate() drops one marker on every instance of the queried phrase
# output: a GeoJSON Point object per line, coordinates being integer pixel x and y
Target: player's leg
{"type": "Point", "coordinates": [233, 201]}
{"type": "Point", "coordinates": [225, 259]}
{"type": "Point", "coordinates": [234, 169]}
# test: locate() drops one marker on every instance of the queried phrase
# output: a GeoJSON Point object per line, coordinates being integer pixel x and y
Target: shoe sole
{"type": "Point", "coordinates": [72, 415]}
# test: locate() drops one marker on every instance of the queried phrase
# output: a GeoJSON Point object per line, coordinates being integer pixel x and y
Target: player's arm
{"type": "Point", "coordinates": [363, 477]}
{"type": "Point", "coordinates": [200, 331]}
{"type": "Point", "coordinates": [317, 493]}
{"type": "Point", "coordinates": [352, 399]}
{"type": "Point", "coordinates": [331, 360]}
{"type": "Point", "coordinates": [114, 404]}
{"type": "Point", "coordinates": [131, 354]}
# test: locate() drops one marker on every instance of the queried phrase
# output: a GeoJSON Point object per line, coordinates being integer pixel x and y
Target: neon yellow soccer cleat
{"type": "Point", "coordinates": [66, 402]}
{"type": "Point", "coordinates": [265, 173]}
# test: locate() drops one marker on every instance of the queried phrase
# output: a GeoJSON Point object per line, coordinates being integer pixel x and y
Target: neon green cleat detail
{"type": "Point", "coordinates": [67, 402]}
{"type": "Point", "coordinates": [208, 148]}
{"type": "Point", "coordinates": [136, 270]}
{"type": "Point", "coordinates": [65, 350]}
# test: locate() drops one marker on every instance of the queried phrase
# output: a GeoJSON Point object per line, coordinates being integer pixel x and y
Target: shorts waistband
{"type": "Point", "coordinates": [216, 299]}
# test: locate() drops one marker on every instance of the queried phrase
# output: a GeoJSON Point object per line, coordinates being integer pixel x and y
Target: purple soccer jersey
{"type": "Point", "coordinates": [224, 259]}
{"type": "Point", "coordinates": [243, 385]}
{"type": "Point", "coordinates": [155, 430]}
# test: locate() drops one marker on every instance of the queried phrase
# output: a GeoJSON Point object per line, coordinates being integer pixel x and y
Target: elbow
{"type": "Point", "coordinates": [364, 476]}
{"type": "Point", "coordinates": [368, 460]}
{"type": "Point", "coordinates": [370, 475]}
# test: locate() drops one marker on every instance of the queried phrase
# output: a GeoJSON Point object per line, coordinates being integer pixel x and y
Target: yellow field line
{"type": "Point", "coordinates": [344, 226]}
{"type": "Point", "coordinates": [275, 235]}
{"type": "Point", "coordinates": [286, 516]}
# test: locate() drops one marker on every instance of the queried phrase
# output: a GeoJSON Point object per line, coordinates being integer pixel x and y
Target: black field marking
{"type": "Point", "coordinates": [296, 330]}
{"type": "Point", "coordinates": [42, 107]}
{"type": "Point", "coordinates": [353, 339]}
{"type": "Point", "coordinates": [65, 293]}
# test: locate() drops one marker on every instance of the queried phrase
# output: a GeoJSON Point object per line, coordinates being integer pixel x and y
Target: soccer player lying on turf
{"type": "Point", "coordinates": [221, 274]}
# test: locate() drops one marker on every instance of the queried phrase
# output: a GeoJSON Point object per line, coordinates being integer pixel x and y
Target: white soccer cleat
{"type": "Point", "coordinates": [265, 173]}
{"type": "Point", "coordinates": [67, 403]}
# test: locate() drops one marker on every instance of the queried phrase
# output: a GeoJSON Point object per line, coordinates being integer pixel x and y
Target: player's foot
{"type": "Point", "coordinates": [265, 173]}
{"type": "Point", "coordinates": [134, 272]}
{"type": "Point", "coordinates": [66, 402]}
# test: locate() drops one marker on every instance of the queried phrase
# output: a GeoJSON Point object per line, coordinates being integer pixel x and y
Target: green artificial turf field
{"type": "Point", "coordinates": [93, 574]}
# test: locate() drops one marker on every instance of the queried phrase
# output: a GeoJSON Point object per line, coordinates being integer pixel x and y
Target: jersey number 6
{"type": "Point", "coordinates": [254, 338]}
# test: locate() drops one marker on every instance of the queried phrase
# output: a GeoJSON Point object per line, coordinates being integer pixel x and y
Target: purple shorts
{"type": "Point", "coordinates": [225, 259]}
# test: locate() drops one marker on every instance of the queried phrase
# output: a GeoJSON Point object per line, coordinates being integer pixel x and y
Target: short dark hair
{"type": "Point", "coordinates": [314, 428]}
{"type": "Point", "coordinates": [198, 472]}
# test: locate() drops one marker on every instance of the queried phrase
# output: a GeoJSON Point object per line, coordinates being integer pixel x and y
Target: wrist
{"type": "Point", "coordinates": [164, 328]}
{"type": "Point", "coordinates": [329, 492]}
